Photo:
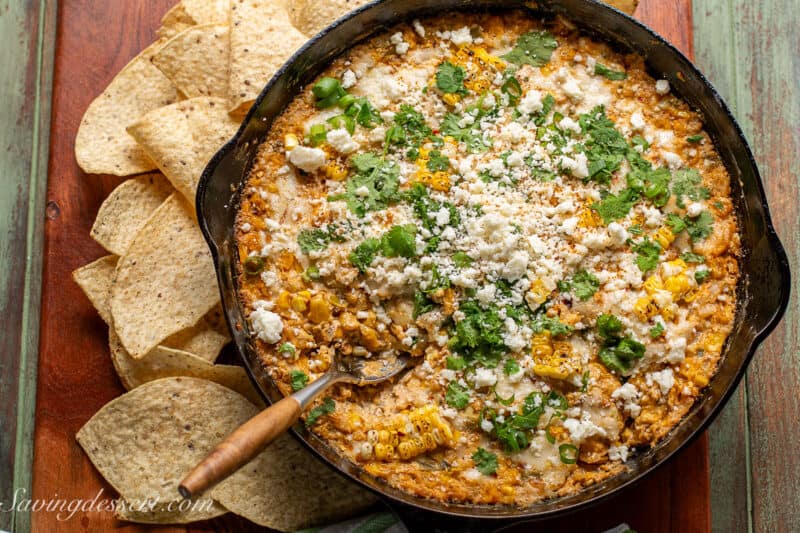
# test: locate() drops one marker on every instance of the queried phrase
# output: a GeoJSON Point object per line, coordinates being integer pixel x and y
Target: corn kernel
{"type": "Point", "coordinates": [664, 236]}
{"type": "Point", "coordinates": [538, 293]}
{"type": "Point", "coordinates": [548, 371]}
{"type": "Point", "coordinates": [284, 300]}
{"type": "Point", "coordinates": [645, 307]}
{"type": "Point", "coordinates": [451, 99]}
{"type": "Point", "coordinates": [290, 141]}
{"type": "Point", "coordinates": [714, 342]}
{"type": "Point", "coordinates": [677, 285]}
{"type": "Point", "coordinates": [384, 451]}
{"type": "Point", "coordinates": [319, 309]}
{"type": "Point", "coordinates": [588, 218]}
{"type": "Point", "coordinates": [335, 171]}
{"type": "Point", "coordinates": [300, 301]}
{"type": "Point", "coordinates": [653, 284]}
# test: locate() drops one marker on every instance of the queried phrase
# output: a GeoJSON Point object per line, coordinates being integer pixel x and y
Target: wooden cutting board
{"type": "Point", "coordinates": [95, 38]}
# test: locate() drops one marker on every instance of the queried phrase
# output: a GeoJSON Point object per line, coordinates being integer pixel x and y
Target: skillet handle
{"type": "Point", "coordinates": [247, 441]}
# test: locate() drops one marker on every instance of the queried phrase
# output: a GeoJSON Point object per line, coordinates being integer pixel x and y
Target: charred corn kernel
{"type": "Point", "coordinates": [713, 343]}
{"type": "Point", "coordinates": [383, 451]}
{"type": "Point", "coordinates": [558, 365]}
{"type": "Point", "coordinates": [365, 450]}
{"type": "Point", "coordinates": [548, 371]}
{"type": "Point", "coordinates": [429, 441]}
{"type": "Point", "coordinates": [388, 437]}
{"type": "Point", "coordinates": [637, 219]}
{"type": "Point", "coordinates": [335, 171]}
{"type": "Point", "coordinates": [348, 322]}
{"type": "Point", "coordinates": [542, 345]}
{"type": "Point", "coordinates": [372, 436]}
{"type": "Point", "coordinates": [673, 268]}
{"type": "Point", "coordinates": [664, 237]}
{"type": "Point", "coordinates": [645, 307]}
{"type": "Point", "coordinates": [653, 284]}
{"type": "Point", "coordinates": [300, 301]}
{"type": "Point", "coordinates": [284, 300]}
{"type": "Point", "coordinates": [319, 310]}
{"type": "Point", "coordinates": [693, 370]}
{"type": "Point", "coordinates": [562, 349]}
{"type": "Point", "coordinates": [451, 99]}
{"type": "Point", "coordinates": [588, 218]}
{"type": "Point", "coordinates": [488, 58]}
{"type": "Point", "coordinates": [669, 312]}
{"type": "Point", "coordinates": [690, 296]}
{"type": "Point", "coordinates": [290, 141]}
{"type": "Point", "coordinates": [538, 292]}
{"type": "Point", "coordinates": [411, 448]}
{"type": "Point", "coordinates": [439, 180]}
{"type": "Point", "coordinates": [678, 285]}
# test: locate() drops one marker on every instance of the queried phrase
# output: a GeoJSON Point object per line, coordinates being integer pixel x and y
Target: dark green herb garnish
{"type": "Point", "coordinates": [485, 461]}
{"type": "Point", "coordinates": [327, 407]}
{"type": "Point", "coordinates": [614, 75]}
{"type": "Point", "coordinates": [647, 254]}
{"type": "Point", "coordinates": [298, 379]}
{"type": "Point", "coordinates": [456, 395]}
{"type": "Point", "coordinates": [533, 48]}
{"type": "Point", "coordinates": [450, 78]}
{"type": "Point", "coordinates": [582, 284]}
{"type": "Point", "coordinates": [568, 454]}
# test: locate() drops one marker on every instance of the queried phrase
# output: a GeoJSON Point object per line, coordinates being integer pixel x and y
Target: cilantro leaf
{"type": "Point", "coordinates": [582, 284]}
{"type": "Point", "coordinates": [615, 207]}
{"type": "Point", "coordinates": [363, 113]}
{"type": "Point", "coordinates": [647, 254]}
{"type": "Point", "coordinates": [450, 78]}
{"type": "Point", "coordinates": [621, 357]}
{"type": "Point", "coordinates": [470, 135]}
{"type": "Point", "coordinates": [373, 187]}
{"type": "Point", "coordinates": [608, 73]}
{"type": "Point", "coordinates": [479, 335]}
{"type": "Point", "coordinates": [456, 395]}
{"type": "Point", "coordinates": [410, 128]}
{"type": "Point", "coordinates": [485, 461]}
{"type": "Point", "coordinates": [605, 147]}
{"type": "Point", "coordinates": [701, 227]}
{"type": "Point", "coordinates": [400, 241]}
{"type": "Point", "coordinates": [456, 363]}
{"type": "Point", "coordinates": [327, 407]}
{"type": "Point", "coordinates": [675, 223]}
{"type": "Point", "coordinates": [694, 138]}
{"type": "Point", "coordinates": [608, 326]}
{"type": "Point", "coordinates": [701, 275]}
{"type": "Point", "coordinates": [687, 183]}
{"type": "Point", "coordinates": [313, 240]}
{"type": "Point", "coordinates": [363, 254]}
{"type": "Point", "coordinates": [657, 330]}
{"type": "Point", "coordinates": [422, 304]}
{"type": "Point", "coordinates": [461, 260]}
{"type": "Point", "coordinates": [533, 48]}
{"type": "Point", "coordinates": [542, 322]}
{"type": "Point", "coordinates": [691, 257]}
{"type": "Point", "coordinates": [298, 379]}
{"type": "Point", "coordinates": [437, 161]}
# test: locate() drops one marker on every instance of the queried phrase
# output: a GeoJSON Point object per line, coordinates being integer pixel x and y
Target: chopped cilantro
{"type": "Point", "coordinates": [647, 252]}
{"type": "Point", "coordinates": [694, 138]}
{"type": "Point", "coordinates": [422, 304]}
{"type": "Point", "coordinates": [485, 461]}
{"type": "Point", "coordinates": [287, 348]}
{"type": "Point", "coordinates": [456, 395]}
{"type": "Point", "coordinates": [687, 183]}
{"type": "Point", "coordinates": [675, 223]}
{"type": "Point", "coordinates": [701, 227]}
{"type": "Point", "coordinates": [532, 48]}
{"type": "Point", "coordinates": [461, 260]}
{"type": "Point", "coordinates": [582, 284]}
{"type": "Point", "coordinates": [548, 102]}
{"type": "Point", "coordinates": [298, 379]}
{"type": "Point", "coordinates": [456, 363]}
{"type": "Point", "coordinates": [342, 121]}
{"type": "Point", "coordinates": [585, 381]}
{"type": "Point", "coordinates": [621, 356]}
{"type": "Point", "coordinates": [511, 87]}
{"type": "Point", "coordinates": [450, 78]}
{"type": "Point", "coordinates": [542, 322]}
{"type": "Point", "coordinates": [363, 254]}
{"type": "Point", "coordinates": [412, 129]}
{"type": "Point", "coordinates": [640, 141]}
{"type": "Point", "coordinates": [363, 113]}
{"type": "Point", "coordinates": [437, 161]}
{"type": "Point", "coordinates": [605, 147]}
{"type": "Point", "coordinates": [636, 229]}
{"type": "Point", "coordinates": [691, 257]}
{"type": "Point", "coordinates": [317, 239]}
{"type": "Point", "coordinates": [657, 330]}
{"type": "Point", "coordinates": [609, 326]}
{"type": "Point", "coordinates": [616, 206]}
{"type": "Point", "coordinates": [470, 135]}
{"type": "Point", "coordinates": [511, 367]}
{"type": "Point", "coordinates": [701, 275]}
{"type": "Point", "coordinates": [400, 241]}
{"type": "Point", "coordinates": [479, 335]}
{"type": "Point", "coordinates": [515, 430]}
{"type": "Point", "coordinates": [325, 408]}
{"type": "Point", "coordinates": [614, 75]}
{"type": "Point", "coordinates": [373, 187]}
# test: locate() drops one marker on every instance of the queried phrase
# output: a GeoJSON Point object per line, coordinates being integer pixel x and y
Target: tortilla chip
{"type": "Point", "coordinates": [311, 17]}
{"type": "Point", "coordinates": [196, 61]}
{"type": "Point", "coordinates": [161, 514]}
{"type": "Point", "coordinates": [174, 21]}
{"type": "Point", "coordinates": [262, 39]}
{"type": "Point", "coordinates": [95, 280]}
{"type": "Point", "coordinates": [627, 6]}
{"type": "Point", "coordinates": [284, 488]}
{"type": "Point", "coordinates": [102, 146]}
{"type": "Point", "coordinates": [182, 138]}
{"type": "Point", "coordinates": [165, 282]}
{"type": "Point", "coordinates": [126, 210]}
{"type": "Point", "coordinates": [207, 11]}
{"type": "Point", "coordinates": [164, 362]}
{"type": "Point", "coordinates": [147, 440]}
{"type": "Point", "coordinates": [205, 339]}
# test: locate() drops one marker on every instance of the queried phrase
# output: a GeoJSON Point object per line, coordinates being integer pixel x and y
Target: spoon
{"type": "Point", "coordinates": [249, 439]}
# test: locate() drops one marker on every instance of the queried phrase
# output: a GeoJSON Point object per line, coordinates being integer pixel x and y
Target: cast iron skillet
{"type": "Point", "coordinates": [763, 291]}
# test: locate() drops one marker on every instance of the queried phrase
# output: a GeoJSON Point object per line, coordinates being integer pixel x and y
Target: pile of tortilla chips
{"type": "Point", "coordinates": [170, 109]}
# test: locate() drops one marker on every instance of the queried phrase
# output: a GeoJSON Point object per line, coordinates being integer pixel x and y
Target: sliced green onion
{"type": "Point", "coordinates": [568, 454]}
{"type": "Point", "coordinates": [326, 87]}
{"type": "Point", "coordinates": [343, 121]}
{"type": "Point", "coordinates": [311, 273]}
{"type": "Point", "coordinates": [254, 265]}
{"type": "Point", "coordinates": [346, 101]}
{"type": "Point", "coordinates": [318, 134]}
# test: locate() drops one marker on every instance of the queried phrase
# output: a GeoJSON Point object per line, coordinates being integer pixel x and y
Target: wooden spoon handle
{"type": "Point", "coordinates": [241, 446]}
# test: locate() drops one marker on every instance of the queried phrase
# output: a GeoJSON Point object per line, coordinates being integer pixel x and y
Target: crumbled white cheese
{"type": "Point", "coordinates": [694, 209]}
{"type": "Point", "coordinates": [662, 87]}
{"type": "Point", "coordinates": [637, 121]}
{"type": "Point", "coordinates": [672, 159]}
{"type": "Point", "coordinates": [484, 377]}
{"type": "Point", "coordinates": [663, 378]}
{"type": "Point", "coordinates": [400, 46]}
{"type": "Point", "coordinates": [419, 28]}
{"type": "Point", "coordinates": [628, 394]}
{"type": "Point", "coordinates": [462, 36]}
{"type": "Point", "coordinates": [348, 79]}
{"type": "Point", "coordinates": [579, 165]}
{"type": "Point", "coordinates": [267, 325]}
{"type": "Point", "coordinates": [580, 430]}
{"type": "Point", "coordinates": [619, 235]}
{"type": "Point", "coordinates": [531, 103]}
{"type": "Point", "coordinates": [341, 141]}
{"type": "Point", "coordinates": [487, 426]}
{"type": "Point", "coordinates": [618, 453]}
{"type": "Point", "coordinates": [307, 159]}
{"type": "Point", "coordinates": [569, 124]}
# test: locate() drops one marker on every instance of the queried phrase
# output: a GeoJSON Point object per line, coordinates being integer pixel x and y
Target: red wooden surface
{"type": "Point", "coordinates": [95, 40]}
